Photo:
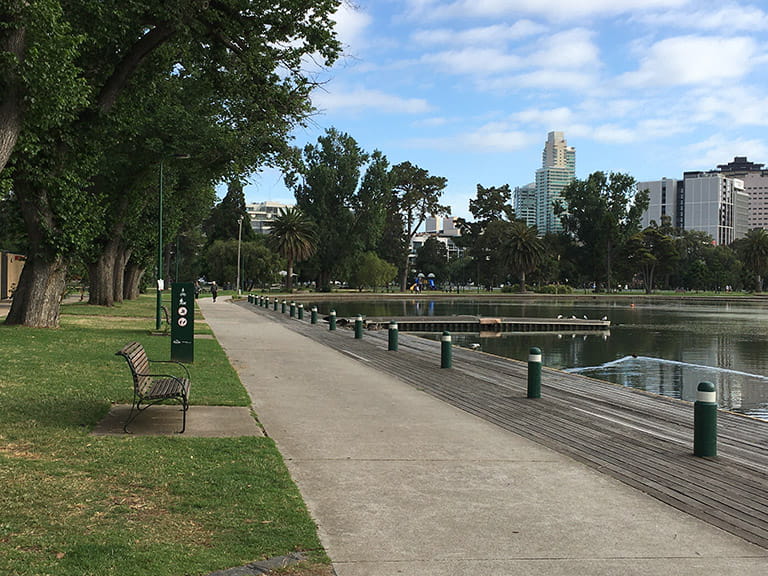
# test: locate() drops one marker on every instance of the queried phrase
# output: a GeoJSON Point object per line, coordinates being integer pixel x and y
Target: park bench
{"type": "Point", "coordinates": [152, 388]}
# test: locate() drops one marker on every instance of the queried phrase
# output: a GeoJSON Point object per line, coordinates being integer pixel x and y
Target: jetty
{"type": "Point", "coordinates": [483, 324]}
{"type": "Point", "coordinates": [640, 439]}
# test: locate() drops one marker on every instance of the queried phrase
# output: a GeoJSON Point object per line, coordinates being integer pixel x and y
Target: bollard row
{"type": "Point", "coordinates": [704, 409]}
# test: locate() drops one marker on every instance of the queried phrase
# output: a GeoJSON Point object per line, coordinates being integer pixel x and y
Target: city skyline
{"type": "Point", "coordinates": [469, 90]}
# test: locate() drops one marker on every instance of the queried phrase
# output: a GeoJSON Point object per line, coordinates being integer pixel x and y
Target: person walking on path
{"type": "Point", "coordinates": [214, 290]}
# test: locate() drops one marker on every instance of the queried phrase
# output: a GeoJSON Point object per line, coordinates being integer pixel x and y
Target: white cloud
{"type": "Point", "coordinates": [351, 26]}
{"type": "Point", "coordinates": [495, 137]}
{"type": "Point", "coordinates": [474, 61]}
{"type": "Point", "coordinates": [742, 107]}
{"type": "Point", "coordinates": [567, 49]}
{"type": "Point", "coordinates": [551, 79]}
{"type": "Point", "coordinates": [361, 99]}
{"type": "Point", "coordinates": [487, 35]}
{"type": "Point", "coordinates": [694, 60]}
{"type": "Point", "coordinates": [733, 17]}
{"type": "Point", "coordinates": [721, 148]}
{"type": "Point", "coordinates": [552, 9]}
{"type": "Point", "coordinates": [540, 117]}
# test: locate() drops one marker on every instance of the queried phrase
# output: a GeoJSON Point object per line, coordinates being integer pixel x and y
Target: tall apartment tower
{"type": "Point", "coordinates": [558, 169]}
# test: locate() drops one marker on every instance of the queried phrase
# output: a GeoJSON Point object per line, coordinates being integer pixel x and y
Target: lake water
{"type": "Point", "coordinates": [662, 347]}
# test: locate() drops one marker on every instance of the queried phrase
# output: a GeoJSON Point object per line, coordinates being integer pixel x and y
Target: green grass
{"type": "Point", "coordinates": [76, 504]}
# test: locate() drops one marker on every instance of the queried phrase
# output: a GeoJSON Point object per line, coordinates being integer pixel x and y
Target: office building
{"type": "Point", "coordinates": [705, 201]}
{"type": "Point", "coordinates": [755, 180]}
{"type": "Point", "coordinates": [525, 203]}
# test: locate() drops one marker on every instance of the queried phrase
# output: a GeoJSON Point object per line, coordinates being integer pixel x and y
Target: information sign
{"type": "Point", "coordinates": [183, 322]}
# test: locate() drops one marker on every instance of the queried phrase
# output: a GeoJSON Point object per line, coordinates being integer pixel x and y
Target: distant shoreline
{"type": "Point", "coordinates": [439, 295]}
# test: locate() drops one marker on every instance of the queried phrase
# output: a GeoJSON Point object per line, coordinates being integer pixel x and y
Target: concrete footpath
{"type": "Point", "coordinates": [401, 483]}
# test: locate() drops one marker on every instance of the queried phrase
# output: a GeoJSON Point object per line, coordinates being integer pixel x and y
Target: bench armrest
{"type": "Point", "coordinates": [186, 370]}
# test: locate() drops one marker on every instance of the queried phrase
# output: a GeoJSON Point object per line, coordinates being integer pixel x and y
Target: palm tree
{"type": "Point", "coordinates": [754, 253]}
{"type": "Point", "coordinates": [521, 249]}
{"type": "Point", "coordinates": [292, 235]}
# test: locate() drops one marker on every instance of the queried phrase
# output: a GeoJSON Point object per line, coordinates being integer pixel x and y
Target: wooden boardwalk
{"type": "Point", "coordinates": [482, 324]}
{"type": "Point", "coordinates": [643, 440]}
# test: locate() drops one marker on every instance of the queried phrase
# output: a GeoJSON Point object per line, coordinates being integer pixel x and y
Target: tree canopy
{"type": "Point", "coordinates": [601, 213]}
{"type": "Point", "coordinates": [240, 67]}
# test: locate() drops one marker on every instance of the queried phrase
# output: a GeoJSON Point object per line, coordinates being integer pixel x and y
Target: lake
{"type": "Point", "coordinates": [664, 347]}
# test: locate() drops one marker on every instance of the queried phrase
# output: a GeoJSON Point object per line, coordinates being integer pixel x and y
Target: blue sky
{"type": "Point", "coordinates": [469, 89]}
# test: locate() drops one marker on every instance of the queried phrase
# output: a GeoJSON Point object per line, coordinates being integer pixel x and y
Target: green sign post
{"type": "Point", "coordinates": [183, 322]}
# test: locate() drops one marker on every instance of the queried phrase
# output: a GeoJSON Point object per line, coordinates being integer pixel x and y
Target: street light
{"type": "Point", "coordinates": [239, 236]}
{"type": "Point", "coordinates": [160, 283]}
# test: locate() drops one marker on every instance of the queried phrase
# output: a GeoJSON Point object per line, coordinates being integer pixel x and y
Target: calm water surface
{"type": "Point", "coordinates": [665, 348]}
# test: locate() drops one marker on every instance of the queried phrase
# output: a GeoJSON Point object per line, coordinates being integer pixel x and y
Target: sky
{"type": "Point", "coordinates": [469, 89]}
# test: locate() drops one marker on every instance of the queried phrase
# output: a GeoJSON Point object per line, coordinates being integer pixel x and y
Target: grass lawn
{"type": "Point", "coordinates": [76, 504]}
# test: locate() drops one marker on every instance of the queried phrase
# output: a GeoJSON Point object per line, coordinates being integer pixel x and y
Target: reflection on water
{"type": "Point", "coordinates": [661, 347]}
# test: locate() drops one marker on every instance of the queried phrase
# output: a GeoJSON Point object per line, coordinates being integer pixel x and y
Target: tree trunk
{"type": "Point", "coordinates": [11, 108]}
{"type": "Point", "coordinates": [522, 283]}
{"type": "Point", "coordinates": [118, 276]}
{"type": "Point", "coordinates": [37, 299]}
{"type": "Point", "coordinates": [404, 277]}
{"type": "Point", "coordinates": [101, 279]}
{"type": "Point", "coordinates": [132, 280]}
{"type": "Point", "coordinates": [289, 277]}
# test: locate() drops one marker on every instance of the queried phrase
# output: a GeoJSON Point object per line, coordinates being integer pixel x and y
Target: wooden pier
{"type": "Point", "coordinates": [643, 440]}
{"type": "Point", "coordinates": [481, 324]}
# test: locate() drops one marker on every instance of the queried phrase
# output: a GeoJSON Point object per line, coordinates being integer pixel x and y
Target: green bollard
{"type": "Point", "coordinates": [705, 421]}
{"type": "Point", "coordinates": [534, 373]}
{"type": "Point", "coordinates": [282, 308]}
{"type": "Point", "coordinates": [392, 336]}
{"type": "Point", "coordinates": [293, 310]}
{"type": "Point", "coordinates": [332, 320]}
{"type": "Point", "coordinates": [275, 307]}
{"type": "Point", "coordinates": [301, 311]}
{"type": "Point", "coordinates": [313, 317]}
{"type": "Point", "coordinates": [359, 327]}
{"type": "Point", "coordinates": [446, 352]}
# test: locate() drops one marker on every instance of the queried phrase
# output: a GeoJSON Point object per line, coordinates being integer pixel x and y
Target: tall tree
{"type": "Point", "coordinates": [432, 258]}
{"type": "Point", "coordinates": [293, 236]}
{"type": "Point", "coordinates": [253, 58]}
{"type": "Point", "coordinates": [326, 182]}
{"type": "Point", "coordinates": [492, 204]}
{"type": "Point", "coordinates": [223, 220]}
{"type": "Point", "coordinates": [418, 196]}
{"type": "Point", "coordinates": [650, 251]}
{"type": "Point", "coordinates": [522, 250]}
{"type": "Point", "coordinates": [602, 212]}
{"type": "Point", "coordinates": [753, 250]}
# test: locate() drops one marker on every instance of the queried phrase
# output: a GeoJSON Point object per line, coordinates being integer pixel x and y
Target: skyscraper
{"type": "Point", "coordinates": [558, 169]}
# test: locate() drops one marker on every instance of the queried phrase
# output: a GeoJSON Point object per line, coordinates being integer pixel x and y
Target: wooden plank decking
{"type": "Point", "coordinates": [643, 440]}
{"type": "Point", "coordinates": [468, 323]}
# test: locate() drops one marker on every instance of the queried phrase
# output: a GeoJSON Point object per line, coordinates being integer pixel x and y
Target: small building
{"type": "Point", "coordinates": [262, 214]}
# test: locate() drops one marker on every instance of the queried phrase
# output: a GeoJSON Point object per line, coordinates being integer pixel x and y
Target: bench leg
{"type": "Point", "coordinates": [135, 411]}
